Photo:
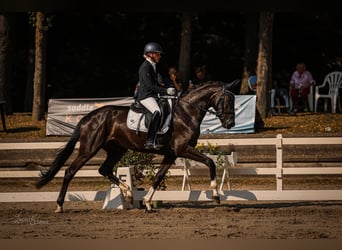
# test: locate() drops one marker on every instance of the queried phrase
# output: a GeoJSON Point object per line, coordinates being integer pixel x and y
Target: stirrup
{"type": "Point", "coordinates": [153, 145]}
{"type": "Point", "coordinates": [149, 145]}
{"type": "Point", "coordinates": [158, 146]}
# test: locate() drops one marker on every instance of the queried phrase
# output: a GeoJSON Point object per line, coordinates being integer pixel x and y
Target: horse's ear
{"type": "Point", "coordinates": [231, 85]}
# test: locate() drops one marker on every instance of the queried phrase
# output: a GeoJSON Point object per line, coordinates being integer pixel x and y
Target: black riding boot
{"type": "Point", "coordinates": [152, 132]}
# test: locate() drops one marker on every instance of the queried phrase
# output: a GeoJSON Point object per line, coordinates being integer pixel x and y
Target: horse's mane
{"type": "Point", "coordinates": [201, 87]}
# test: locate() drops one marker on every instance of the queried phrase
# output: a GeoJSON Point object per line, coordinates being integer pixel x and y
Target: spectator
{"type": "Point", "coordinates": [172, 80]}
{"type": "Point", "coordinates": [300, 83]}
{"type": "Point", "coordinates": [280, 89]}
{"type": "Point", "coordinates": [277, 92]}
{"type": "Point", "coordinates": [201, 76]}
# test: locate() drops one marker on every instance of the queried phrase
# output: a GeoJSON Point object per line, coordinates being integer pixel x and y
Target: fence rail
{"type": "Point", "coordinates": [229, 169]}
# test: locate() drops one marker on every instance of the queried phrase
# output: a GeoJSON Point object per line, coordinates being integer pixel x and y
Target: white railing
{"type": "Point", "coordinates": [279, 141]}
{"type": "Point", "coordinates": [191, 195]}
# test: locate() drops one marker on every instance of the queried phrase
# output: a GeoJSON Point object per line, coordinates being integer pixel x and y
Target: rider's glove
{"type": "Point", "coordinates": [171, 91]}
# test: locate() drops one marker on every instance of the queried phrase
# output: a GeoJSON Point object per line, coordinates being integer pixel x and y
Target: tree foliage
{"type": "Point", "coordinates": [98, 54]}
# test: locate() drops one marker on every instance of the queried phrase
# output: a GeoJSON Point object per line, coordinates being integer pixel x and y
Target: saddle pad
{"type": "Point", "coordinates": [137, 123]}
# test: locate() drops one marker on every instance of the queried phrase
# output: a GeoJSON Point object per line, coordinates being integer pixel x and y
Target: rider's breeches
{"type": "Point", "coordinates": [151, 104]}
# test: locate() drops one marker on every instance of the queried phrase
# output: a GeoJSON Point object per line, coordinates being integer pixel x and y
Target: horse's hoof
{"type": "Point", "coordinates": [148, 207]}
{"type": "Point", "coordinates": [128, 205]}
{"type": "Point", "coordinates": [216, 199]}
{"type": "Point", "coordinates": [150, 211]}
{"type": "Point", "coordinates": [59, 209]}
{"type": "Point", "coordinates": [129, 200]}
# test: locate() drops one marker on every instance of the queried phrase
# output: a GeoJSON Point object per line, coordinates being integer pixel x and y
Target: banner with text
{"type": "Point", "coordinates": [64, 114]}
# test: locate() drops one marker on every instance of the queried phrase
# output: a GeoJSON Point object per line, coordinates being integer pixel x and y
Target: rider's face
{"type": "Point", "coordinates": [156, 57]}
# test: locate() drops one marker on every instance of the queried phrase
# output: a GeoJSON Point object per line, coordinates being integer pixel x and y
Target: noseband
{"type": "Point", "coordinates": [221, 113]}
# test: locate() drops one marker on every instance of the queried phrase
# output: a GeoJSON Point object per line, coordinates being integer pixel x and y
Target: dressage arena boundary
{"type": "Point", "coordinates": [229, 169]}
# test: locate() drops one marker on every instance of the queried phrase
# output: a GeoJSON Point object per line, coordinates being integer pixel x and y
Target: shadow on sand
{"type": "Point", "coordinates": [21, 130]}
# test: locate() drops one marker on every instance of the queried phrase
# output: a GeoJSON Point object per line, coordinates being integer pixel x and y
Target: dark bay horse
{"type": "Point", "coordinates": [105, 128]}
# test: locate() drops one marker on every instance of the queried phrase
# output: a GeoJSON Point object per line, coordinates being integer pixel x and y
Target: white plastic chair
{"type": "Point", "coordinates": [334, 79]}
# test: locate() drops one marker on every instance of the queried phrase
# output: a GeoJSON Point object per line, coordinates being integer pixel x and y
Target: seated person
{"type": "Point", "coordinates": [201, 76]}
{"type": "Point", "coordinates": [300, 83]}
{"type": "Point", "coordinates": [172, 80]}
{"type": "Point", "coordinates": [279, 91]}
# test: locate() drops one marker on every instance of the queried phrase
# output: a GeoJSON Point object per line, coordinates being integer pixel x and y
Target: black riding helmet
{"type": "Point", "coordinates": [153, 47]}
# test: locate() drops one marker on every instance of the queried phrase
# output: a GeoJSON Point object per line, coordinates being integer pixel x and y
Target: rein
{"type": "Point", "coordinates": [221, 101]}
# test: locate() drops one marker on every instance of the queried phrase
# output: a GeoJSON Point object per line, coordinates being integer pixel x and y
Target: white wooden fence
{"type": "Point", "coordinates": [198, 195]}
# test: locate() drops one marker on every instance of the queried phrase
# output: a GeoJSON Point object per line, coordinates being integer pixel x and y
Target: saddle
{"type": "Point", "coordinates": [139, 117]}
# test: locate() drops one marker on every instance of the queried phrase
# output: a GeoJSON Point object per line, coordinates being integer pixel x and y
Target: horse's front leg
{"type": "Point", "coordinates": [193, 154]}
{"type": "Point", "coordinates": [166, 164]}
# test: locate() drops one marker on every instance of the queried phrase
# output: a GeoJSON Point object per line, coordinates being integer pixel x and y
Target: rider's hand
{"type": "Point", "coordinates": [171, 91]}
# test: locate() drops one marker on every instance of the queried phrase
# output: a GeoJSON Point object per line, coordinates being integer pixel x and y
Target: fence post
{"type": "Point", "coordinates": [186, 175]}
{"type": "Point", "coordinates": [114, 197]}
{"type": "Point", "coordinates": [230, 161]}
{"type": "Point", "coordinates": [279, 162]}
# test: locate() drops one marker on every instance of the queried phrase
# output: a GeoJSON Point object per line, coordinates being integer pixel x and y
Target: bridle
{"type": "Point", "coordinates": [220, 114]}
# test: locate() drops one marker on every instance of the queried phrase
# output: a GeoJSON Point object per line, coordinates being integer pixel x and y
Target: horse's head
{"type": "Point", "coordinates": [216, 95]}
{"type": "Point", "coordinates": [224, 105]}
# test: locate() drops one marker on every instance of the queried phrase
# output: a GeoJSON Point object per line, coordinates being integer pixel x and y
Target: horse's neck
{"type": "Point", "coordinates": [201, 96]}
{"type": "Point", "coordinates": [197, 102]}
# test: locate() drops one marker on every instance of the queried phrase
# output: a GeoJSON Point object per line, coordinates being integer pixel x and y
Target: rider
{"type": "Point", "coordinates": [149, 88]}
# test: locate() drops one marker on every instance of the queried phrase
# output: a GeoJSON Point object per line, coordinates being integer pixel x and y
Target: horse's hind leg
{"type": "Point", "coordinates": [106, 169]}
{"type": "Point", "coordinates": [70, 172]}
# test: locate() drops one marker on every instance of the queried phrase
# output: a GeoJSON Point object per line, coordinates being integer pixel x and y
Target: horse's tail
{"type": "Point", "coordinates": [61, 158]}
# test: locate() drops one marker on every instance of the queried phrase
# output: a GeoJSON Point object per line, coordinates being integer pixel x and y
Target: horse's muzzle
{"type": "Point", "coordinates": [229, 123]}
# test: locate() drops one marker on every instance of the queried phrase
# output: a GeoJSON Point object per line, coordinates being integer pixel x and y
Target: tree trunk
{"type": "Point", "coordinates": [251, 48]}
{"type": "Point", "coordinates": [28, 101]}
{"type": "Point", "coordinates": [264, 63]}
{"type": "Point", "coordinates": [38, 108]}
{"type": "Point", "coordinates": [5, 61]}
{"type": "Point", "coordinates": [185, 49]}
